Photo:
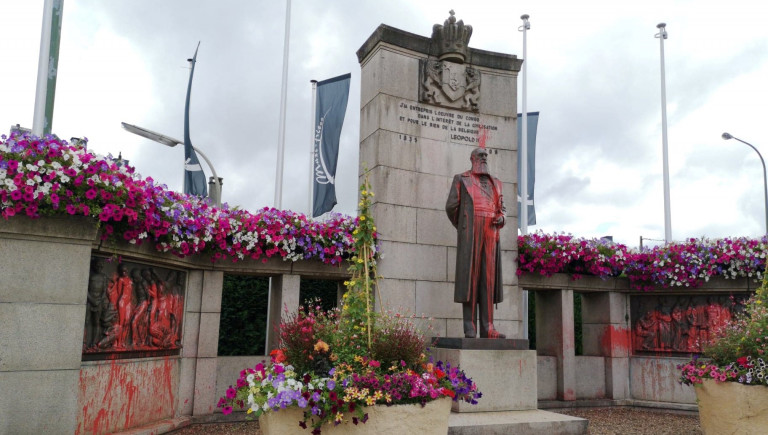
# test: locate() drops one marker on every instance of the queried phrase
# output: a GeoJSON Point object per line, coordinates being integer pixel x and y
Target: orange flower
{"type": "Point", "coordinates": [277, 356]}
{"type": "Point", "coordinates": [321, 346]}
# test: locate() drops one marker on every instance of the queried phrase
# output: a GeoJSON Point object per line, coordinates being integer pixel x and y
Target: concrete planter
{"type": "Point", "coordinates": [431, 419]}
{"type": "Point", "coordinates": [730, 407]}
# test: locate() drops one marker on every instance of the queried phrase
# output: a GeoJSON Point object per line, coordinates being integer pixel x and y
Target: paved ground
{"type": "Point", "coordinates": [602, 421]}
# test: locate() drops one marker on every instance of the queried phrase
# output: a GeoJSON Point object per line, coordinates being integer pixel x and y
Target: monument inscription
{"type": "Point", "coordinates": [461, 127]}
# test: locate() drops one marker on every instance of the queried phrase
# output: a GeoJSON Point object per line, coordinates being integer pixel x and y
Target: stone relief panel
{"type": "Point", "coordinates": [679, 324]}
{"type": "Point", "coordinates": [449, 84]}
{"type": "Point", "coordinates": [133, 310]}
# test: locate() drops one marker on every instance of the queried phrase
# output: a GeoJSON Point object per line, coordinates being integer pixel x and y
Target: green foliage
{"type": "Point", "coordinates": [746, 335]}
{"type": "Point", "coordinates": [357, 314]}
{"type": "Point", "coordinates": [243, 325]}
{"type": "Point", "coordinates": [578, 333]}
{"type": "Point", "coordinates": [318, 291]}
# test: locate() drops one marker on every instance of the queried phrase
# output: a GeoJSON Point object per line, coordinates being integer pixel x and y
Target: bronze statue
{"type": "Point", "coordinates": [475, 207]}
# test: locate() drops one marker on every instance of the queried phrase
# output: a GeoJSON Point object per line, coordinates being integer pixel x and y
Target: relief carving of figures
{"type": "Point", "coordinates": [134, 310]}
{"type": "Point", "coordinates": [450, 85]}
{"type": "Point", "coordinates": [682, 324]}
{"type": "Point", "coordinates": [97, 288]}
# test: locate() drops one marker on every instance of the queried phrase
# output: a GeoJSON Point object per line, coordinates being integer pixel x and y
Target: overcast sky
{"type": "Point", "coordinates": [593, 73]}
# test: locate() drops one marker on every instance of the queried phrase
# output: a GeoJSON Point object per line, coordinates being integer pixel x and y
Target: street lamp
{"type": "Point", "coordinates": [171, 142]}
{"type": "Point", "coordinates": [727, 136]}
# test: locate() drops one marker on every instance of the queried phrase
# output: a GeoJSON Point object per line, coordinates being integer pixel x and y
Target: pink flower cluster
{"type": "Point", "coordinates": [688, 263]}
{"type": "Point", "coordinates": [48, 176]}
{"type": "Point", "coordinates": [744, 370]}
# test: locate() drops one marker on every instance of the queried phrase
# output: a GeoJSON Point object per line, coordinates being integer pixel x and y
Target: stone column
{"type": "Point", "coordinates": [413, 142]}
{"type": "Point", "coordinates": [555, 337]}
{"type": "Point", "coordinates": [44, 266]}
{"type": "Point", "coordinates": [605, 326]}
{"type": "Point", "coordinates": [283, 294]}
{"type": "Point", "coordinates": [207, 342]}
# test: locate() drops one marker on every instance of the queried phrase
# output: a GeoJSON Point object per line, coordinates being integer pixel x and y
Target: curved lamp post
{"type": "Point", "coordinates": [727, 136]}
{"type": "Point", "coordinates": [171, 142]}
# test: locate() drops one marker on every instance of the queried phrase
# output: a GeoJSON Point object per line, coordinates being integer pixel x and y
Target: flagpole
{"type": "Point", "coordinates": [523, 147]}
{"type": "Point", "coordinates": [283, 97]}
{"type": "Point", "coordinates": [47, 67]}
{"type": "Point", "coordinates": [523, 156]}
{"type": "Point", "coordinates": [662, 35]}
{"type": "Point", "coordinates": [312, 117]}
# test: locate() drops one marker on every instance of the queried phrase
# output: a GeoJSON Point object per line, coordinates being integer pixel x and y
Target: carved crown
{"type": "Point", "coordinates": [452, 39]}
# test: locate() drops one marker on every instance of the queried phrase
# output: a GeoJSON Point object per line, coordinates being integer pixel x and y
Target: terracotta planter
{"type": "Point", "coordinates": [730, 407]}
{"type": "Point", "coordinates": [431, 419]}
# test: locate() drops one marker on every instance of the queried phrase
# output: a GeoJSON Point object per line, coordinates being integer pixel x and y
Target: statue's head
{"type": "Point", "coordinates": [479, 159]}
{"type": "Point", "coordinates": [122, 270]}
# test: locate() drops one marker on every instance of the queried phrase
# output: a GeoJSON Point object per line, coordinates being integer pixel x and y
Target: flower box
{"type": "Point", "coordinates": [413, 418]}
{"type": "Point", "coordinates": [731, 407]}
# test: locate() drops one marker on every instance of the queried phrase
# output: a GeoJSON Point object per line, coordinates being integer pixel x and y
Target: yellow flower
{"type": "Point", "coordinates": [346, 283]}
{"type": "Point", "coordinates": [359, 260]}
{"type": "Point", "coordinates": [362, 218]}
{"type": "Point", "coordinates": [360, 204]}
{"type": "Point", "coordinates": [339, 417]}
{"type": "Point", "coordinates": [371, 193]}
{"type": "Point", "coordinates": [370, 401]}
{"type": "Point", "coordinates": [355, 232]}
{"type": "Point", "coordinates": [374, 228]}
{"type": "Point", "coordinates": [365, 192]}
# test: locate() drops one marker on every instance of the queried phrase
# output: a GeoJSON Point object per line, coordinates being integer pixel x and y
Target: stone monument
{"type": "Point", "coordinates": [426, 104]}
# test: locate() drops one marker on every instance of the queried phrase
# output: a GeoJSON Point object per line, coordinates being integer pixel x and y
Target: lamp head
{"type": "Point", "coordinates": [727, 136]}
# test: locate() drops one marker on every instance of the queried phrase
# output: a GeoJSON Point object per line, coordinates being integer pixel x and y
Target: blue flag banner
{"type": "Point", "coordinates": [194, 177]}
{"type": "Point", "coordinates": [533, 122]}
{"type": "Point", "coordinates": [331, 105]}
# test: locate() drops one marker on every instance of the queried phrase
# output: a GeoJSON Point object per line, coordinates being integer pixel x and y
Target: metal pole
{"type": "Point", "coordinates": [283, 98]}
{"type": "Point", "coordinates": [662, 35]}
{"type": "Point", "coordinates": [523, 147]}
{"type": "Point", "coordinates": [38, 122]}
{"type": "Point", "coordinates": [523, 156]}
{"type": "Point", "coordinates": [727, 136]}
{"type": "Point", "coordinates": [312, 148]}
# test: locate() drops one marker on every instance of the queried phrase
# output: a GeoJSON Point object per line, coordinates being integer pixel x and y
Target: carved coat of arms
{"type": "Point", "coordinates": [449, 84]}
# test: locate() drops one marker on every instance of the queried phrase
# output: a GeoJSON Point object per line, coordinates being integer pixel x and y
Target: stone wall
{"type": "Point", "coordinates": [610, 368]}
{"type": "Point", "coordinates": [46, 385]}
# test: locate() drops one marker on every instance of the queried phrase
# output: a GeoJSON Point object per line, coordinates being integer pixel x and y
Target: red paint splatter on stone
{"type": "Point", "coordinates": [615, 341]}
{"type": "Point", "coordinates": [482, 136]}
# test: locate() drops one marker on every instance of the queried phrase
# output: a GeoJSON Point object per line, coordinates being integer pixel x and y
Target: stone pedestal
{"type": "Point", "coordinates": [506, 376]}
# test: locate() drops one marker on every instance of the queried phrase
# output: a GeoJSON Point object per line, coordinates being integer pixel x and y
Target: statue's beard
{"type": "Point", "coordinates": [480, 167]}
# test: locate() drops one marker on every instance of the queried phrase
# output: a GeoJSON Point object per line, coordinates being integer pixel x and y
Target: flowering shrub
{"type": "Point", "coordinates": [687, 263]}
{"type": "Point", "coordinates": [736, 351]}
{"type": "Point", "coordinates": [341, 394]}
{"type": "Point", "coordinates": [333, 364]}
{"type": "Point", "coordinates": [49, 176]}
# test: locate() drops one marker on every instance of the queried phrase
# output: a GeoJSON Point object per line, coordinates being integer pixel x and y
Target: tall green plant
{"type": "Point", "coordinates": [357, 313]}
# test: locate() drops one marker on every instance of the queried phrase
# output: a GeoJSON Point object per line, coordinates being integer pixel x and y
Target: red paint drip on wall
{"type": "Point", "coordinates": [615, 341]}
{"type": "Point", "coordinates": [482, 136]}
{"type": "Point", "coordinates": [118, 396]}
